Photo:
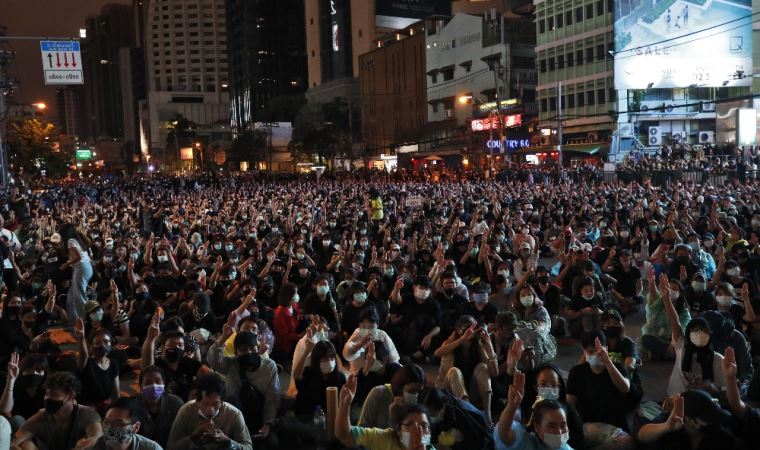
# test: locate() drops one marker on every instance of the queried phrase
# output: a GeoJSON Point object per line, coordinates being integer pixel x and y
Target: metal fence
{"type": "Point", "coordinates": [662, 177]}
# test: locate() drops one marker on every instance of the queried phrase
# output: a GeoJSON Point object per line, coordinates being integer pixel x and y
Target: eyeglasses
{"type": "Point", "coordinates": [425, 426]}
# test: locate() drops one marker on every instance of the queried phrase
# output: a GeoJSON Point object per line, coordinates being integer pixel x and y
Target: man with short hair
{"type": "Point", "coordinates": [208, 421]}
{"type": "Point", "coordinates": [120, 428]}
{"type": "Point", "coordinates": [63, 423]}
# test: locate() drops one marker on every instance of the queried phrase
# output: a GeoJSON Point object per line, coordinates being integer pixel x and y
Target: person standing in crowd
{"type": "Point", "coordinates": [81, 270]}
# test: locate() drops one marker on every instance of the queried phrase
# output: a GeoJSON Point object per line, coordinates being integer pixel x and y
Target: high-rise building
{"type": "Point", "coordinates": [574, 45]}
{"type": "Point", "coordinates": [393, 90]}
{"type": "Point", "coordinates": [69, 110]}
{"type": "Point", "coordinates": [186, 54]}
{"type": "Point", "coordinates": [338, 31]}
{"type": "Point", "coordinates": [107, 32]}
{"type": "Point", "coordinates": [267, 55]}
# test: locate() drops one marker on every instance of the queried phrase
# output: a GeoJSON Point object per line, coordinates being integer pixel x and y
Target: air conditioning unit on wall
{"type": "Point", "coordinates": [546, 140]}
{"type": "Point", "coordinates": [655, 136]}
{"type": "Point", "coordinates": [708, 107]}
{"type": "Point", "coordinates": [706, 137]}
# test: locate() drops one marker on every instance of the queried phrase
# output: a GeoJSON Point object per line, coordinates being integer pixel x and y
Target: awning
{"type": "Point", "coordinates": [434, 158]}
{"type": "Point", "coordinates": [587, 149]}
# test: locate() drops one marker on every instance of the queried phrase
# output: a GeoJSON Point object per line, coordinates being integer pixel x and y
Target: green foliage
{"type": "Point", "coordinates": [30, 149]}
{"type": "Point", "coordinates": [325, 129]}
{"type": "Point", "coordinates": [249, 146]}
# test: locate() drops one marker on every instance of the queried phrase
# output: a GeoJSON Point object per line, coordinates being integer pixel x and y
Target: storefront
{"type": "Point", "coordinates": [572, 155]}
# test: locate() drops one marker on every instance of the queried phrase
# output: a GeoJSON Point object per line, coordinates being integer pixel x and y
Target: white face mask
{"type": "Point", "coordinates": [724, 300]}
{"type": "Point", "coordinates": [410, 398]}
{"type": "Point", "coordinates": [555, 441]}
{"type": "Point", "coordinates": [674, 294]}
{"type": "Point", "coordinates": [594, 361]}
{"type": "Point", "coordinates": [548, 393]}
{"type": "Point", "coordinates": [699, 338]}
{"type": "Point", "coordinates": [327, 366]}
{"type": "Point", "coordinates": [733, 272]}
{"type": "Point", "coordinates": [319, 336]}
{"type": "Point", "coordinates": [406, 439]}
{"type": "Point", "coordinates": [364, 332]}
{"type": "Point", "coordinates": [527, 301]}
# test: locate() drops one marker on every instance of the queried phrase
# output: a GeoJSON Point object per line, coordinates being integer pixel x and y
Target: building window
{"type": "Point", "coordinates": [559, 20]}
{"type": "Point", "coordinates": [434, 77]}
{"type": "Point", "coordinates": [561, 62]}
{"type": "Point", "coordinates": [313, 54]}
{"type": "Point", "coordinates": [552, 103]}
{"type": "Point", "coordinates": [600, 52]}
{"type": "Point", "coordinates": [590, 97]}
{"type": "Point", "coordinates": [551, 64]}
{"type": "Point", "coordinates": [570, 60]}
{"type": "Point", "coordinates": [435, 107]}
{"type": "Point", "coordinates": [600, 94]}
{"type": "Point", "coordinates": [360, 32]}
{"type": "Point", "coordinates": [590, 55]}
{"type": "Point", "coordinates": [579, 57]}
{"type": "Point", "coordinates": [589, 11]}
{"type": "Point", "coordinates": [448, 74]}
{"type": "Point", "coordinates": [541, 26]}
{"type": "Point", "coordinates": [571, 101]}
{"type": "Point", "coordinates": [579, 14]}
{"type": "Point", "coordinates": [550, 23]}
{"type": "Point", "coordinates": [581, 99]}
{"type": "Point", "coordinates": [610, 5]}
{"type": "Point", "coordinates": [599, 7]}
{"type": "Point", "coordinates": [569, 18]}
{"type": "Point", "coordinates": [542, 65]}
{"type": "Point", "coordinates": [611, 94]}
{"type": "Point", "coordinates": [543, 105]}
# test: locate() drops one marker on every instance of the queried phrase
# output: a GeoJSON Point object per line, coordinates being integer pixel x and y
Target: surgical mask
{"type": "Point", "coordinates": [229, 248]}
{"type": "Point", "coordinates": [327, 366]}
{"type": "Point", "coordinates": [323, 290]}
{"type": "Point", "coordinates": [135, 256]}
{"type": "Point", "coordinates": [504, 272]}
{"type": "Point", "coordinates": [724, 300]}
{"type": "Point", "coordinates": [163, 258]}
{"type": "Point", "coordinates": [527, 301]}
{"type": "Point", "coordinates": [674, 294]}
{"type": "Point", "coordinates": [709, 243]}
{"type": "Point", "coordinates": [406, 439]}
{"type": "Point", "coordinates": [624, 234]}
{"type": "Point", "coordinates": [587, 297]}
{"type": "Point", "coordinates": [296, 299]}
{"type": "Point", "coordinates": [153, 391]}
{"type": "Point", "coordinates": [755, 223]}
{"type": "Point", "coordinates": [326, 243]}
{"type": "Point", "coordinates": [698, 286]}
{"type": "Point", "coordinates": [694, 246]}
{"type": "Point", "coordinates": [97, 315]}
{"type": "Point", "coordinates": [474, 251]}
{"type": "Point", "coordinates": [360, 297]}
{"type": "Point", "coordinates": [699, 338]}
{"type": "Point", "coordinates": [101, 351]}
{"type": "Point", "coordinates": [548, 393]}
{"type": "Point", "coordinates": [555, 441]}
{"type": "Point", "coordinates": [733, 272]}
{"type": "Point", "coordinates": [319, 336]}
{"type": "Point", "coordinates": [364, 332]}
{"type": "Point", "coordinates": [410, 398]}
{"type": "Point", "coordinates": [388, 272]}
{"type": "Point", "coordinates": [595, 361]}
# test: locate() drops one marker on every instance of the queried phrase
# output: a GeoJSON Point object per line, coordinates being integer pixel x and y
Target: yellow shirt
{"type": "Point", "coordinates": [378, 439]}
{"type": "Point", "coordinates": [377, 208]}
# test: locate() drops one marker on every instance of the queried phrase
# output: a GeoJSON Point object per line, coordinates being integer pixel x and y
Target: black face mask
{"type": "Point", "coordinates": [173, 355]}
{"type": "Point", "coordinates": [53, 406]}
{"type": "Point", "coordinates": [142, 296]}
{"type": "Point", "coordinates": [101, 351]}
{"type": "Point", "coordinates": [249, 362]}
{"type": "Point", "coordinates": [682, 259]}
{"type": "Point", "coordinates": [32, 380]}
{"type": "Point", "coordinates": [13, 310]}
{"type": "Point", "coordinates": [613, 332]}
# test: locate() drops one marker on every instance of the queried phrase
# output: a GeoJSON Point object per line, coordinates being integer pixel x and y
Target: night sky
{"type": "Point", "coordinates": [53, 18]}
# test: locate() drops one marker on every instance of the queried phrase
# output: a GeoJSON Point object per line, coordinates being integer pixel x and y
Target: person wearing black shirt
{"type": "Point", "coordinates": [23, 395]}
{"type": "Point", "coordinates": [179, 371]}
{"type": "Point", "coordinates": [99, 372]}
{"type": "Point", "coordinates": [200, 314]}
{"type": "Point", "coordinates": [549, 294]}
{"type": "Point", "coordinates": [354, 307]}
{"type": "Point", "coordinates": [320, 302]}
{"type": "Point", "coordinates": [584, 310]}
{"type": "Point", "coordinates": [312, 381]}
{"type": "Point", "coordinates": [602, 393]}
{"type": "Point", "coordinates": [628, 287]}
{"type": "Point", "coordinates": [479, 308]}
{"type": "Point", "coordinates": [451, 302]}
{"type": "Point", "coordinates": [682, 268]}
{"type": "Point", "coordinates": [698, 297]}
{"type": "Point", "coordinates": [415, 319]}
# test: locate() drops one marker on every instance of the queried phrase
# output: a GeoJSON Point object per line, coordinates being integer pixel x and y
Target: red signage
{"type": "Point", "coordinates": [492, 123]}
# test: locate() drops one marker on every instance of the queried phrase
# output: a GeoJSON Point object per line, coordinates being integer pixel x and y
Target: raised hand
{"type": "Point", "coordinates": [79, 329]}
{"type": "Point", "coordinates": [601, 351]}
{"type": "Point", "coordinates": [516, 389]}
{"type": "Point", "coordinates": [348, 391]}
{"type": "Point", "coordinates": [155, 327]}
{"type": "Point", "coordinates": [370, 358]}
{"type": "Point", "coordinates": [729, 365]}
{"type": "Point", "coordinates": [13, 368]}
{"type": "Point", "coordinates": [675, 420]}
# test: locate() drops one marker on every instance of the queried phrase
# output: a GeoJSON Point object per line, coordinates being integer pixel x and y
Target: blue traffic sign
{"type": "Point", "coordinates": [59, 46]}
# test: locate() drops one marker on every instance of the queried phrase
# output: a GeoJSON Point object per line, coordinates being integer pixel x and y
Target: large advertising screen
{"type": "Point", "coordinates": [682, 43]}
{"type": "Point", "coordinates": [397, 14]}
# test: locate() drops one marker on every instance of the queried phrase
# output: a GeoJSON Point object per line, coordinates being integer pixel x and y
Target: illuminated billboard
{"type": "Point", "coordinates": [492, 123]}
{"type": "Point", "coordinates": [679, 43]}
{"type": "Point", "coordinates": [398, 14]}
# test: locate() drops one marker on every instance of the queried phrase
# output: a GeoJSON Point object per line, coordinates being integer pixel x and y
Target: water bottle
{"type": "Point", "coordinates": [320, 424]}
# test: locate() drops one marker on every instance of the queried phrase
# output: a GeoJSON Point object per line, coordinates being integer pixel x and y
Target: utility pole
{"type": "Point", "coordinates": [5, 58]}
{"type": "Point", "coordinates": [559, 124]}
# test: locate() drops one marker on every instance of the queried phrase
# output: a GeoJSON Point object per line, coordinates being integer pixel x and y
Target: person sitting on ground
{"type": "Point", "coordinates": [120, 429]}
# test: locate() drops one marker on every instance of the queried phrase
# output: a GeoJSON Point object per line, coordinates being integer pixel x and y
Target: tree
{"type": "Point", "coordinates": [327, 130]}
{"type": "Point", "coordinates": [30, 149]}
{"type": "Point", "coordinates": [249, 145]}
{"type": "Point", "coordinates": [181, 134]}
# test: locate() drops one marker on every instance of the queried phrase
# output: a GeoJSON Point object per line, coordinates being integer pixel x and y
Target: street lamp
{"type": "Point", "coordinates": [40, 105]}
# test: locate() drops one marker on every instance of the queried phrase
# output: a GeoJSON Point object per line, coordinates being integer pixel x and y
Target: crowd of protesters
{"type": "Point", "coordinates": [189, 313]}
